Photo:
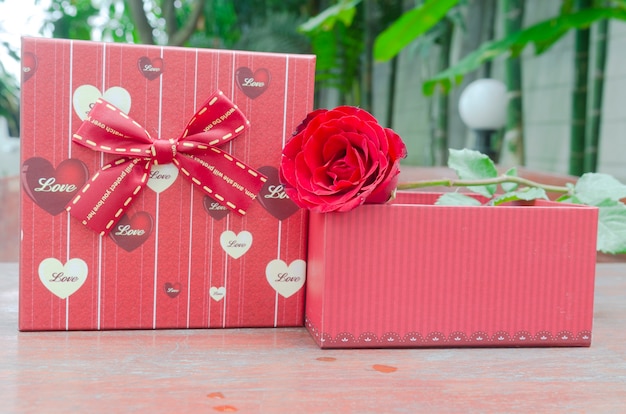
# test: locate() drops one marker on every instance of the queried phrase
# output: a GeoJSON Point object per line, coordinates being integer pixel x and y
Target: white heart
{"type": "Point", "coordinates": [286, 280]}
{"type": "Point", "coordinates": [63, 280]}
{"type": "Point", "coordinates": [86, 95]}
{"type": "Point", "coordinates": [236, 245]}
{"type": "Point", "coordinates": [162, 177]}
{"type": "Point", "coordinates": [217, 293]}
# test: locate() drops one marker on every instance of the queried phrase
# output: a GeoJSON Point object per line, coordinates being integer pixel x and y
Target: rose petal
{"type": "Point", "coordinates": [293, 147]}
{"type": "Point", "coordinates": [308, 119]}
{"type": "Point", "coordinates": [287, 172]}
{"type": "Point", "coordinates": [323, 183]}
{"type": "Point", "coordinates": [339, 202]}
{"type": "Point", "coordinates": [397, 149]}
{"type": "Point", "coordinates": [339, 158]}
{"type": "Point", "coordinates": [335, 148]}
{"type": "Point", "coordinates": [384, 190]}
{"type": "Point", "coordinates": [362, 114]}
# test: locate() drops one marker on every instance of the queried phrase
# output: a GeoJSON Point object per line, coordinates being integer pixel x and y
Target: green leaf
{"type": "Point", "coordinates": [612, 227]}
{"type": "Point", "coordinates": [410, 26]}
{"type": "Point", "coordinates": [508, 187]}
{"type": "Point", "coordinates": [525, 194]}
{"type": "Point", "coordinates": [594, 188]}
{"type": "Point", "coordinates": [456, 199]}
{"type": "Point", "coordinates": [543, 35]}
{"type": "Point", "coordinates": [568, 198]}
{"type": "Point", "coordinates": [472, 165]}
{"type": "Point", "coordinates": [343, 11]}
{"type": "Point", "coordinates": [545, 45]}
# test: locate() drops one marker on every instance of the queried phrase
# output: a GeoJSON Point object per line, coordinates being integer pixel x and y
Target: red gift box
{"type": "Point", "coordinates": [177, 257]}
{"type": "Point", "coordinates": [413, 274]}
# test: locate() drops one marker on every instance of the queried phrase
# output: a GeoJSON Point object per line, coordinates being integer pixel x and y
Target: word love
{"type": "Point", "coordinates": [276, 192]}
{"type": "Point", "coordinates": [150, 68]}
{"type": "Point", "coordinates": [286, 277]}
{"type": "Point", "coordinates": [126, 230]}
{"type": "Point", "coordinates": [159, 175]}
{"type": "Point", "coordinates": [162, 177]}
{"type": "Point", "coordinates": [215, 209]}
{"type": "Point", "coordinates": [236, 245]}
{"type": "Point", "coordinates": [29, 65]}
{"type": "Point", "coordinates": [132, 232]}
{"type": "Point", "coordinates": [62, 279]}
{"type": "Point", "coordinates": [252, 83]}
{"type": "Point", "coordinates": [49, 185]}
{"type": "Point", "coordinates": [172, 289]}
{"type": "Point", "coordinates": [273, 197]}
{"type": "Point", "coordinates": [217, 293]}
{"type": "Point", "coordinates": [286, 280]}
{"type": "Point", "coordinates": [52, 188]}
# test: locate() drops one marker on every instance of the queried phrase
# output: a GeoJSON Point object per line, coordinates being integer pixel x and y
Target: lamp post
{"type": "Point", "coordinates": [482, 107]}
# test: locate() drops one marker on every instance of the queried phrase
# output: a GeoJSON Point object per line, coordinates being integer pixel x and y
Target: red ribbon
{"type": "Point", "coordinates": [105, 198]}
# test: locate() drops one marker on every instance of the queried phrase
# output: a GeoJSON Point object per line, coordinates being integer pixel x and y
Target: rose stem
{"type": "Point", "coordinates": [448, 182]}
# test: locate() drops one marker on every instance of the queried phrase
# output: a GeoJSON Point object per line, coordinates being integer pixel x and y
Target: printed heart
{"type": "Point", "coordinates": [286, 280]}
{"type": "Point", "coordinates": [50, 188]}
{"type": "Point", "coordinates": [150, 68]}
{"type": "Point", "coordinates": [29, 65]}
{"type": "Point", "coordinates": [236, 245]}
{"type": "Point", "coordinates": [253, 84]}
{"type": "Point", "coordinates": [215, 209]}
{"type": "Point", "coordinates": [217, 293]}
{"type": "Point", "coordinates": [273, 197]}
{"type": "Point", "coordinates": [86, 95]}
{"type": "Point", "coordinates": [63, 280]}
{"type": "Point", "coordinates": [162, 177]}
{"type": "Point", "coordinates": [130, 233]}
{"type": "Point", "coordinates": [172, 289]}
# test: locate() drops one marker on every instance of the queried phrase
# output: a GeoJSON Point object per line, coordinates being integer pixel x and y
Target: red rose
{"type": "Point", "coordinates": [339, 159]}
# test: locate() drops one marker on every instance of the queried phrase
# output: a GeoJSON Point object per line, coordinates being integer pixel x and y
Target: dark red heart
{"type": "Point", "coordinates": [150, 68]}
{"type": "Point", "coordinates": [130, 233]}
{"type": "Point", "coordinates": [215, 209]}
{"type": "Point", "coordinates": [29, 65]}
{"type": "Point", "coordinates": [252, 84]}
{"type": "Point", "coordinates": [273, 197]}
{"type": "Point", "coordinates": [172, 289]}
{"type": "Point", "coordinates": [50, 188]}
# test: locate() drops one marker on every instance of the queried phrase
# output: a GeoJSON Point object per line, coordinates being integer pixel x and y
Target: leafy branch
{"type": "Point", "coordinates": [479, 174]}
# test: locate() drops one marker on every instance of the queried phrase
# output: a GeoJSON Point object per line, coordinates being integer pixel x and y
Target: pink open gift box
{"type": "Point", "coordinates": [412, 274]}
{"type": "Point", "coordinates": [177, 258]}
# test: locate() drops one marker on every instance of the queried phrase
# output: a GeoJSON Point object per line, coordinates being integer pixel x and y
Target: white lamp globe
{"type": "Point", "coordinates": [483, 103]}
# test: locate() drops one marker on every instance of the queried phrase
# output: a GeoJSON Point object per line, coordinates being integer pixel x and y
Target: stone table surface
{"type": "Point", "coordinates": [283, 371]}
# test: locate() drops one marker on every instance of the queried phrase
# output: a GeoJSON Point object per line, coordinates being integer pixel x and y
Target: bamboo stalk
{"type": "Point", "coordinates": [439, 143]}
{"type": "Point", "coordinates": [591, 146]}
{"type": "Point", "coordinates": [579, 96]}
{"type": "Point", "coordinates": [512, 151]}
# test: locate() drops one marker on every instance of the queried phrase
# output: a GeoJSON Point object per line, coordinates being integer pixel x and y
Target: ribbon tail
{"type": "Point", "coordinates": [104, 199]}
{"type": "Point", "coordinates": [227, 180]}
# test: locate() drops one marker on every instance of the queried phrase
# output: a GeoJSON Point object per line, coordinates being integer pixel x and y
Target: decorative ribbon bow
{"type": "Point", "coordinates": [105, 198]}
